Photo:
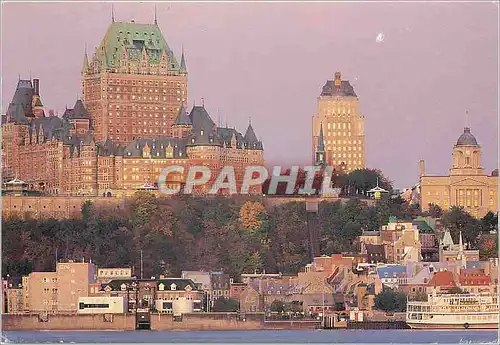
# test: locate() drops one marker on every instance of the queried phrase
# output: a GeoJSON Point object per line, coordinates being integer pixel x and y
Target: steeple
{"type": "Point", "coordinates": [250, 136]}
{"type": "Point", "coordinates": [85, 66]}
{"type": "Point", "coordinates": [183, 62]}
{"type": "Point", "coordinates": [320, 149]}
{"type": "Point", "coordinates": [156, 22]}
{"type": "Point", "coordinates": [461, 255]}
{"type": "Point", "coordinates": [112, 14]}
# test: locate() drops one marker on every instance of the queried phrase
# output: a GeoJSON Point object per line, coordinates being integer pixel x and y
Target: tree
{"type": "Point", "coordinates": [490, 222]}
{"type": "Point", "coordinates": [458, 220]}
{"type": "Point", "coordinates": [488, 246]}
{"type": "Point", "coordinates": [435, 211]}
{"type": "Point", "coordinates": [277, 306]}
{"type": "Point", "coordinates": [251, 215]}
{"type": "Point", "coordinates": [391, 301]}
{"type": "Point", "coordinates": [225, 305]}
{"type": "Point", "coordinates": [360, 181]}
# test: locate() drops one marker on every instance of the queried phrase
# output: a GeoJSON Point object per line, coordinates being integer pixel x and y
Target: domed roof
{"type": "Point", "coordinates": [467, 139]}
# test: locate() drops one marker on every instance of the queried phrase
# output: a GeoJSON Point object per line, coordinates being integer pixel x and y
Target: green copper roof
{"type": "Point", "coordinates": [134, 38]}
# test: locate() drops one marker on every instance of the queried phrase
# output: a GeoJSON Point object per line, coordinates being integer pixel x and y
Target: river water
{"type": "Point", "coordinates": [302, 336]}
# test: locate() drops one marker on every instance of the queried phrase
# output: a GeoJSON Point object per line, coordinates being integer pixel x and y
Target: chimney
{"type": "Point", "coordinates": [36, 86]}
{"type": "Point", "coordinates": [422, 168]}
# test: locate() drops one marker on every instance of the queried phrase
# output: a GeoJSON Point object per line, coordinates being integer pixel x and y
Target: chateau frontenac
{"type": "Point", "coordinates": [131, 122]}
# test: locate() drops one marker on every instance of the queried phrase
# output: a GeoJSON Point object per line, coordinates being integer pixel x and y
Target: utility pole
{"type": "Point", "coordinates": [323, 313]}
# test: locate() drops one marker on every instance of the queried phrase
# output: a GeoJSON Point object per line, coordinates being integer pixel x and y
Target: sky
{"type": "Point", "coordinates": [416, 67]}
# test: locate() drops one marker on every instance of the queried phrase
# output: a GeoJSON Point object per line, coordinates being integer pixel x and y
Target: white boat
{"type": "Point", "coordinates": [455, 311]}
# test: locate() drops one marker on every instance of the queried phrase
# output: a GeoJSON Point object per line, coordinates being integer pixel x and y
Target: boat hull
{"type": "Point", "coordinates": [452, 326]}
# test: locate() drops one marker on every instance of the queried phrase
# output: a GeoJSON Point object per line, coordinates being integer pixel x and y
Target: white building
{"type": "Point", "coordinates": [102, 305]}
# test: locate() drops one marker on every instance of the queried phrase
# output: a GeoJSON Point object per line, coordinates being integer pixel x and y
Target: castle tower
{"type": "Point", "coordinates": [133, 86]}
{"type": "Point", "coordinates": [182, 125]}
{"type": "Point", "coordinates": [343, 126]}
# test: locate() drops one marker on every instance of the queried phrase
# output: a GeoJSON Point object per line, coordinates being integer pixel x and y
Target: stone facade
{"type": "Point", "coordinates": [130, 124]}
{"type": "Point", "coordinates": [467, 185]}
{"type": "Point", "coordinates": [342, 125]}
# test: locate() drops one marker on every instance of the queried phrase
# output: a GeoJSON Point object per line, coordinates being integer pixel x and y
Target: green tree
{"type": "Point", "coordinates": [391, 301]}
{"type": "Point", "coordinates": [277, 306]}
{"type": "Point", "coordinates": [226, 305]}
{"type": "Point", "coordinates": [490, 222]}
{"type": "Point", "coordinates": [435, 211]}
{"type": "Point", "coordinates": [456, 220]}
{"type": "Point", "coordinates": [360, 181]}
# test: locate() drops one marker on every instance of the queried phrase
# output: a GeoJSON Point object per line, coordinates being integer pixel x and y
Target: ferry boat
{"type": "Point", "coordinates": [454, 311]}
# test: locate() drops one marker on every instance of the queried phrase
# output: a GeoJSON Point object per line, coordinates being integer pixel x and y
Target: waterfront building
{"type": "Point", "coordinates": [53, 292]}
{"type": "Point", "coordinates": [235, 289]}
{"type": "Point", "coordinates": [341, 126]}
{"type": "Point", "coordinates": [158, 294]}
{"type": "Point", "coordinates": [467, 185]}
{"type": "Point", "coordinates": [101, 305]}
{"type": "Point", "coordinates": [220, 286]}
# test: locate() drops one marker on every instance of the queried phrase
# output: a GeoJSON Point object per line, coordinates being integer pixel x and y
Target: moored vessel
{"type": "Point", "coordinates": [454, 311]}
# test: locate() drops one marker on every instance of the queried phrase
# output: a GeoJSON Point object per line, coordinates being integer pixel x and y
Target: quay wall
{"type": "Point", "coordinates": [61, 322]}
{"type": "Point", "coordinates": [225, 321]}
{"type": "Point", "coordinates": [159, 322]}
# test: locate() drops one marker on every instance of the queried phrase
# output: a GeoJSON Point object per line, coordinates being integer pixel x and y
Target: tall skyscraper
{"type": "Point", "coordinates": [342, 127]}
{"type": "Point", "coordinates": [133, 87]}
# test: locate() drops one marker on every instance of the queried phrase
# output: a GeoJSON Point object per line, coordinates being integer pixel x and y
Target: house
{"type": "Point", "coordinates": [474, 280]}
{"type": "Point", "coordinates": [157, 294]}
{"type": "Point", "coordinates": [220, 285]}
{"type": "Point", "coordinates": [449, 251]}
{"type": "Point", "coordinates": [392, 275]}
{"type": "Point", "coordinates": [250, 299]}
{"type": "Point", "coordinates": [235, 290]}
{"type": "Point", "coordinates": [442, 281]}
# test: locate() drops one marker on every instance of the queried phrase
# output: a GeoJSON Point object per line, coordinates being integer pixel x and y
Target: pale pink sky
{"type": "Point", "coordinates": [268, 61]}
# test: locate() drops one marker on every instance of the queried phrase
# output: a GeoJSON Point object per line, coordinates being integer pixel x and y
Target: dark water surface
{"type": "Point", "coordinates": [312, 336]}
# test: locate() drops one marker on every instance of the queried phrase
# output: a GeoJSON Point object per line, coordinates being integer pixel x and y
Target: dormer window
{"type": "Point", "coordinates": [173, 287]}
{"type": "Point", "coordinates": [192, 140]}
{"type": "Point", "coordinates": [188, 288]}
{"type": "Point", "coordinates": [161, 286]}
{"type": "Point", "coordinates": [123, 287]}
{"type": "Point", "coordinates": [201, 132]}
